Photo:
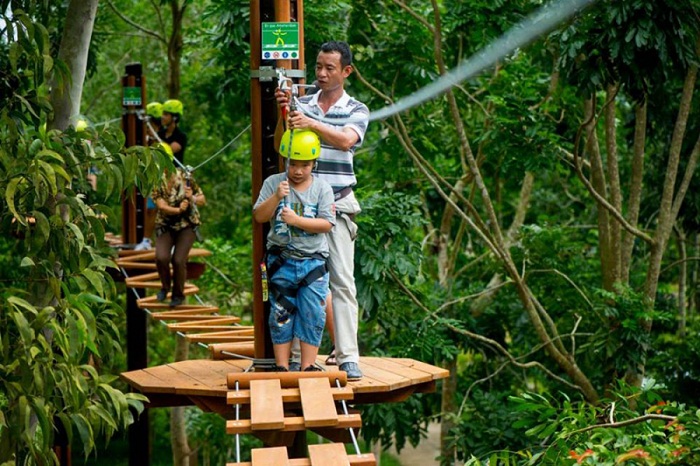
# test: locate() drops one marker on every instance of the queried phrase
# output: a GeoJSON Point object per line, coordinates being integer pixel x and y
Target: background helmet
{"type": "Point", "coordinates": [81, 125]}
{"type": "Point", "coordinates": [173, 106]}
{"type": "Point", "coordinates": [305, 145]}
{"type": "Point", "coordinates": [154, 109]}
{"type": "Point", "coordinates": [165, 147]}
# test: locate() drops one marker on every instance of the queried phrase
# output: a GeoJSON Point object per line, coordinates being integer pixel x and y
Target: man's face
{"type": "Point", "coordinates": [166, 119]}
{"type": "Point", "coordinates": [330, 73]}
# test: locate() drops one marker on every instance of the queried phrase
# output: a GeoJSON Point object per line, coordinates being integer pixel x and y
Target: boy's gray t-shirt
{"type": "Point", "coordinates": [316, 202]}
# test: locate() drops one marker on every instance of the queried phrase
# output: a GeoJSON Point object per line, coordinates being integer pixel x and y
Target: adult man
{"type": "Point", "coordinates": [335, 166]}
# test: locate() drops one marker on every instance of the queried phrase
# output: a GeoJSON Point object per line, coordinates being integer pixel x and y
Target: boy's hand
{"type": "Point", "coordinates": [282, 190]}
{"type": "Point", "coordinates": [289, 216]}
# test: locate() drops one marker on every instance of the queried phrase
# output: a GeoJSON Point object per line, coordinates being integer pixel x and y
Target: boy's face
{"type": "Point", "coordinates": [330, 73]}
{"type": "Point", "coordinates": [299, 170]}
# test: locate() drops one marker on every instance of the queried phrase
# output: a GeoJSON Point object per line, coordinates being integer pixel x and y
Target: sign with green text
{"type": "Point", "coordinates": [132, 96]}
{"type": "Point", "coordinates": [280, 41]}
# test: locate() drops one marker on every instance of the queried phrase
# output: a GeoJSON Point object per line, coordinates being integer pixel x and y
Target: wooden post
{"type": "Point", "coordinates": [133, 209]}
{"type": "Point", "coordinates": [264, 157]}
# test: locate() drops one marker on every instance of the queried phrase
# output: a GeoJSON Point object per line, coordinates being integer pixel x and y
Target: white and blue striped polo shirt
{"type": "Point", "coordinates": [335, 166]}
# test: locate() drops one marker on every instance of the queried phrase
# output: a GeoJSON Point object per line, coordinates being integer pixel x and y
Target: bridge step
{"type": "Point", "coordinates": [327, 454]}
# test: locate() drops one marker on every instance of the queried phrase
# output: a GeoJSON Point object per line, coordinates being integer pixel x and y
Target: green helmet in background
{"type": "Point", "coordinates": [81, 125]}
{"type": "Point", "coordinates": [154, 109]}
{"type": "Point", "coordinates": [305, 145]}
{"type": "Point", "coordinates": [173, 106]}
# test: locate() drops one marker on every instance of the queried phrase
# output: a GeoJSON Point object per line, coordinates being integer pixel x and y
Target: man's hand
{"type": "Point", "coordinates": [283, 98]}
{"type": "Point", "coordinates": [297, 120]}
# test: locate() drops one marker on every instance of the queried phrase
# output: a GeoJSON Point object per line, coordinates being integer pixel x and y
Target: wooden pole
{"type": "Point", "coordinates": [133, 209]}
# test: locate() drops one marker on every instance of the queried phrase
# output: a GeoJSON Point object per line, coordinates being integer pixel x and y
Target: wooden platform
{"type": "Point", "coordinates": [203, 382]}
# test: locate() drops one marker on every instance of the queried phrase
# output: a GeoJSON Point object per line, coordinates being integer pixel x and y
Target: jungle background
{"type": "Point", "coordinates": [534, 229]}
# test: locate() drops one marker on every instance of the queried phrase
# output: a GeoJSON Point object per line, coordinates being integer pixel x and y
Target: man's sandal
{"type": "Point", "coordinates": [330, 360]}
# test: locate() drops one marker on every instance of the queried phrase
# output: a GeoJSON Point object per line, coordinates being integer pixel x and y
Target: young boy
{"type": "Point", "coordinates": [300, 209]}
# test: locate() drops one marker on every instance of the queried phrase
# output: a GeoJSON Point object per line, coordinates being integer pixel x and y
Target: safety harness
{"type": "Point", "coordinates": [284, 294]}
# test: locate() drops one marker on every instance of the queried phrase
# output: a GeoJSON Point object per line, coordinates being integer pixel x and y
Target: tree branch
{"type": "Point", "coordinates": [134, 24]}
{"type": "Point", "coordinates": [628, 422]}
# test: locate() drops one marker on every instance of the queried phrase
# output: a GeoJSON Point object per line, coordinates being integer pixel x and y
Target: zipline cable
{"type": "Point", "coordinates": [542, 21]}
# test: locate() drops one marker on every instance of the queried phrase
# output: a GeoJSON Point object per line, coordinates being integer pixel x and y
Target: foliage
{"type": "Point", "coordinates": [57, 307]}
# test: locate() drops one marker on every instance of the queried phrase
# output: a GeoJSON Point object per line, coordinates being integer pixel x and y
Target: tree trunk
{"type": "Point", "coordinates": [73, 51]}
{"type": "Point", "coordinates": [682, 280]}
{"type": "Point", "coordinates": [448, 409]}
{"type": "Point", "coordinates": [613, 178]}
{"type": "Point", "coordinates": [178, 426]}
{"type": "Point", "coordinates": [599, 184]}
{"type": "Point", "coordinates": [635, 190]}
{"type": "Point", "coordinates": [175, 49]}
{"type": "Point", "coordinates": [670, 201]}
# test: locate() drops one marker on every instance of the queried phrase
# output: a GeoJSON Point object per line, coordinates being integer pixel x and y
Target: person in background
{"type": "Point", "coordinates": [154, 111]}
{"type": "Point", "coordinates": [177, 200]}
{"type": "Point", "coordinates": [170, 131]}
{"type": "Point", "coordinates": [335, 165]}
{"type": "Point", "coordinates": [300, 210]}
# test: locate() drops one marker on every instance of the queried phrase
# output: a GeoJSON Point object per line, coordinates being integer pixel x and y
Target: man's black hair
{"type": "Point", "coordinates": [342, 48]}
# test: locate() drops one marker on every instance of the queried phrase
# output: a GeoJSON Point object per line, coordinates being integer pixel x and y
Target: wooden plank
{"type": "Point", "coordinates": [387, 380]}
{"type": "Point", "coordinates": [269, 456]}
{"type": "Point", "coordinates": [223, 323]}
{"type": "Point", "coordinates": [293, 424]}
{"type": "Point", "coordinates": [230, 350]}
{"type": "Point", "coordinates": [436, 371]}
{"type": "Point", "coordinates": [328, 454]}
{"type": "Point", "coordinates": [289, 395]}
{"type": "Point", "coordinates": [389, 365]}
{"type": "Point", "coordinates": [317, 403]}
{"type": "Point", "coordinates": [207, 385]}
{"type": "Point", "coordinates": [184, 317]}
{"type": "Point", "coordinates": [287, 379]}
{"type": "Point", "coordinates": [218, 337]}
{"type": "Point", "coordinates": [147, 383]}
{"type": "Point", "coordinates": [155, 305]}
{"type": "Point", "coordinates": [366, 459]}
{"type": "Point", "coordinates": [266, 410]}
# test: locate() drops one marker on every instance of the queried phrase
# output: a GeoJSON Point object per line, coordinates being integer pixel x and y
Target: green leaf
{"type": "Point", "coordinates": [27, 262]}
{"type": "Point", "coordinates": [10, 193]}
{"type": "Point", "coordinates": [78, 235]}
{"type": "Point", "coordinates": [84, 430]}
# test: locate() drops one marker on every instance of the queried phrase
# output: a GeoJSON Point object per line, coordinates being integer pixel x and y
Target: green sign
{"type": "Point", "coordinates": [280, 41]}
{"type": "Point", "coordinates": [132, 96]}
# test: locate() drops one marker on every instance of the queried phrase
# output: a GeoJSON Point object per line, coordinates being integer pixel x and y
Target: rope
{"type": "Point", "coordinates": [352, 432]}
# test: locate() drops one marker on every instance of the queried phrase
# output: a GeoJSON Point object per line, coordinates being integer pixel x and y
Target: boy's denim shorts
{"type": "Point", "coordinates": [309, 318]}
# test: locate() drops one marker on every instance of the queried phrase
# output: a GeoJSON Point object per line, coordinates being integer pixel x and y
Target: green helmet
{"type": "Point", "coordinates": [172, 106]}
{"type": "Point", "coordinates": [154, 109]}
{"type": "Point", "coordinates": [305, 145]}
{"type": "Point", "coordinates": [81, 125]}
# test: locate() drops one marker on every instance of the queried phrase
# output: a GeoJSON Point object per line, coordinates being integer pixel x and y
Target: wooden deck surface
{"type": "Point", "coordinates": [203, 382]}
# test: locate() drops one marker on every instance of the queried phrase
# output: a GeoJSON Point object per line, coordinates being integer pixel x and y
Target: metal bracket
{"type": "Point", "coordinates": [269, 73]}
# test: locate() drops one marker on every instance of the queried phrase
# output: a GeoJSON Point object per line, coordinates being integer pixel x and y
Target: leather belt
{"type": "Point", "coordinates": [342, 193]}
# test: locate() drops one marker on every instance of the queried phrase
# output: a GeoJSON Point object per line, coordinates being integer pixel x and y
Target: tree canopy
{"type": "Point", "coordinates": [534, 229]}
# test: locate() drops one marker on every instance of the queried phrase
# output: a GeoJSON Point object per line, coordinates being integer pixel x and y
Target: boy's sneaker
{"type": "Point", "coordinates": [162, 295]}
{"type": "Point", "coordinates": [313, 368]}
{"type": "Point", "coordinates": [352, 369]}
{"type": "Point", "coordinates": [144, 245]}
